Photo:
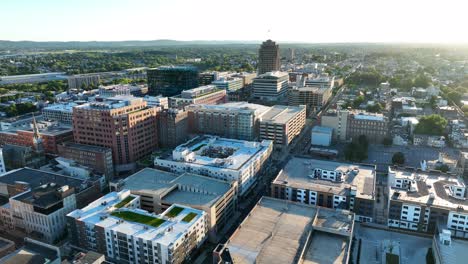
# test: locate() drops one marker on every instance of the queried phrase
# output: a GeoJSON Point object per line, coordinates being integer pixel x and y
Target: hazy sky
{"type": "Point", "coordinates": [301, 20]}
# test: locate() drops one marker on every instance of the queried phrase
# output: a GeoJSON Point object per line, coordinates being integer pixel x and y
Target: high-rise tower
{"type": "Point", "coordinates": [268, 57]}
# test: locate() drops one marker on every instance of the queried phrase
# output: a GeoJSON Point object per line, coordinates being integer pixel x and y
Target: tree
{"type": "Point", "coordinates": [375, 108]}
{"type": "Point", "coordinates": [431, 125]}
{"type": "Point", "coordinates": [422, 81]}
{"type": "Point", "coordinates": [455, 97]}
{"type": "Point", "coordinates": [398, 158]}
{"type": "Point", "coordinates": [357, 149]}
{"type": "Point", "coordinates": [443, 168]}
{"type": "Point", "coordinates": [358, 101]}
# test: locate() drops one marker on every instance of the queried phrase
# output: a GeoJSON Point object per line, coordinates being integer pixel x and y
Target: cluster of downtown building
{"type": "Point", "coordinates": [221, 148]}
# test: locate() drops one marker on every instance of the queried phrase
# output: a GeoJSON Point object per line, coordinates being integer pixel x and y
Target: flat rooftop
{"type": "Point", "coordinates": [322, 129]}
{"type": "Point", "coordinates": [206, 190]}
{"type": "Point", "coordinates": [235, 106]}
{"type": "Point", "coordinates": [66, 107]}
{"type": "Point", "coordinates": [326, 248]}
{"type": "Point", "coordinates": [454, 253]}
{"type": "Point", "coordinates": [86, 147]}
{"type": "Point", "coordinates": [112, 103]}
{"type": "Point", "coordinates": [427, 183]}
{"type": "Point", "coordinates": [274, 232]}
{"type": "Point", "coordinates": [218, 152]}
{"type": "Point", "coordinates": [297, 173]}
{"type": "Point", "coordinates": [35, 178]}
{"type": "Point", "coordinates": [281, 114]}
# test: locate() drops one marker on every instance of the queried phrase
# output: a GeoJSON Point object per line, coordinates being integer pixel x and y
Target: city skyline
{"type": "Point", "coordinates": [331, 22]}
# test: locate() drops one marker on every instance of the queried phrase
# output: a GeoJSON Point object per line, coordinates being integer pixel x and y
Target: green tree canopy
{"type": "Point", "coordinates": [431, 125]}
{"type": "Point", "coordinates": [398, 158]}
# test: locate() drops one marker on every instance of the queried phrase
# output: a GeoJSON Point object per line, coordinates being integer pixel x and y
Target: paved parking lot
{"type": "Point", "coordinates": [381, 155]}
{"type": "Point", "coordinates": [413, 248]}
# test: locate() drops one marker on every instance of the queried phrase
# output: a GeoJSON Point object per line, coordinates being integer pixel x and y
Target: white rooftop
{"type": "Point", "coordinates": [66, 107]}
{"type": "Point", "coordinates": [99, 213]}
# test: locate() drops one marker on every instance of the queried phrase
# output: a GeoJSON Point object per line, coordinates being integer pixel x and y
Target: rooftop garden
{"type": "Point", "coordinates": [174, 212]}
{"type": "Point", "coordinates": [139, 218]}
{"type": "Point", "coordinates": [189, 217]}
{"type": "Point", "coordinates": [124, 201]}
{"type": "Point", "coordinates": [199, 147]}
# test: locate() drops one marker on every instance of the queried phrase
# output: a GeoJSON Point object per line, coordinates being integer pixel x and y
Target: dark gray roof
{"type": "Point", "coordinates": [36, 178]}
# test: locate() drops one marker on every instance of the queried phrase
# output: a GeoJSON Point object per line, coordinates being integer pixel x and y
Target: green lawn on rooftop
{"type": "Point", "coordinates": [139, 218]}
{"type": "Point", "coordinates": [124, 201]}
{"type": "Point", "coordinates": [174, 212]}
{"type": "Point", "coordinates": [189, 217]}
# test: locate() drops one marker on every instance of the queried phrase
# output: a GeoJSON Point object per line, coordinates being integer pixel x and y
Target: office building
{"type": "Point", "coordinates": [208, 94]}
{"type": "Point", "coordinates": [206, 78]}
{"type": "Point", "coordinates": [171, 80]}
{"type": "Point", "coordinates": [115, 225]}
{"type": "Point", "coordinates": [270, 86]}
{"type": "Point", "coordinates": [328, 184]}
{"type": "Point", "coordinates": [51, 134]}
{"type": "Point", "coordinates": [229, 84]}
{"type": "Point", "coordinates": [247, 77]}
{"type": "Point", "coordinates": [373, 126]}
{"type": "Point", "coordinates": [124, 124]}
{"type": "Point", "coordinates": [349, 125]}
{"type": "Point", "coordinates": [338, 121]}
{"type": "Point", "coordinates": [33, 252]}
{"type": "Point", "coordinates": [464, 163]}
{"type": "Point", "coordinates": [61, 112]}
{"type": "Point", "coordinates": [321, 136]}
{"type": "Point", "coordinates": [157, 101]}
{"type": "Point", "coordinates": [422, 200]}
{"type": "Point", "coordinates": [268, 57]}
{"type": "Point", "coordinates": [2, 163]}
{"type": "Point", "coordinates": [239, 120]}
{"type": "Point", "coordinates": [220, 158]}
{"type": "Point", "coordinates": [81, 81]}
{"type": "Point", "coordinates": [40, 211]}
{"type": "Point", "coordinates": [172, 127]}
{"type": "Point", "coordinates": [313, 97]}
{"type": "Point", "coordinates": [20, 122]}
{"type": "Point", "coordinates": [323, 82]}
{"type": "Point", "coordinates": [17, 181]}
{"type": "Point", "coordinates": [159, 190]}
{"type": "Point", "coordinates": [95, 157]}
{"type": "Point", "coordinates": [122, 89]}
{"type": "Point", "coordinates": [284, 232]}
{"type": "Point", "coordinates": [282, 124]}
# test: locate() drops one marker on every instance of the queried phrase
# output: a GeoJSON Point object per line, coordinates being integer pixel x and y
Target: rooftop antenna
{"type": "Point", "coordinates": [269, 34]}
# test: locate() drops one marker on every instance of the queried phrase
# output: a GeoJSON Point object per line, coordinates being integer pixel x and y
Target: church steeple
{"type": "Point", "coordinates": [37, 139]}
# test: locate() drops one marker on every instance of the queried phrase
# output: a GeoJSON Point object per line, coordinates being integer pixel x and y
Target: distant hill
{"type": "Point", "coordinates": [6, 44]}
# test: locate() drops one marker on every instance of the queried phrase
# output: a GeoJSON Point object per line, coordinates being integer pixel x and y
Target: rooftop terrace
{"type": "Point", "coordinates": [297, 174]}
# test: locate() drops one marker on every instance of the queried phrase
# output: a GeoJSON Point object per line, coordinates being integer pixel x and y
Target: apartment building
{"type": "Point", "coordinates": [159, 190]}
{"type": "Point", "coordinates": [423, 200]}
{"type": "Point", "coordinates": [115, 225]}
{"type": "Point", "coordinates": [97, 158]}
{"type": "Point", "coordinates": [208, 94]}
{"type": "Point", "coordinates": [172, 127]}
{"type": "Point", "coordinates": [268, 57]}
{"type": "Point", "coordinates": [237, 120]}
{"type": "Point", "coordinates": [282, 124]}
{"type": "Point", "coordinates": [79, 81]}
{"type": "Point", "coordinates": [270, 86]}
{"type": "Point", "coordinates": [328, 184]}
{"type": "Point", "coordinates": [62, 113]}
{"type": "Point", "coordinates": [124, 124]}
{"type": "Point", "coordinates": [220, 158]}
{"type": "Point", "coordinates": [171, 80]}
{"type": "Point", "coordinates": [313, 97]}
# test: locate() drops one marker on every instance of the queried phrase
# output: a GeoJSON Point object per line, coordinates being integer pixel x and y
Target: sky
{"type": "Point", "coordinates": [314, 21]}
